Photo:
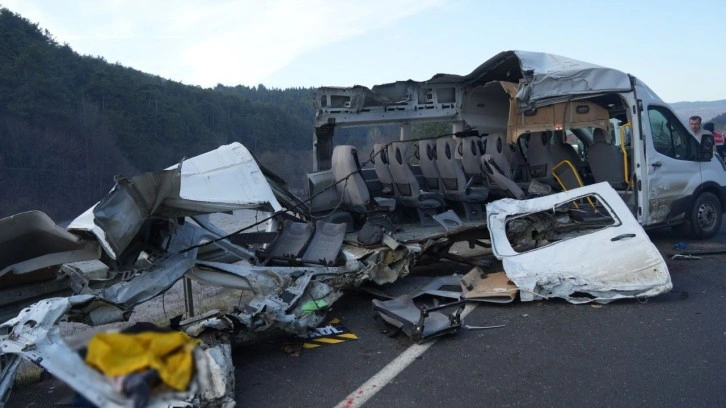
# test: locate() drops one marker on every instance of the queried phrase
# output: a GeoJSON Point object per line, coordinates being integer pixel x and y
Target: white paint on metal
{"type": "Point", "coordinates": [614, 262]}
{"type": "Point", "coordinates": [228, 174]}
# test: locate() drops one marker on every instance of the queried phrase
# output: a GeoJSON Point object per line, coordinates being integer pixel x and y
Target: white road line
{"type": "Point", "coordinates": [371, 387]}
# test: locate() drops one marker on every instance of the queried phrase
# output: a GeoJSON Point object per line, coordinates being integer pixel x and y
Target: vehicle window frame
{"type": "Point", "coordinates": [670, 137]}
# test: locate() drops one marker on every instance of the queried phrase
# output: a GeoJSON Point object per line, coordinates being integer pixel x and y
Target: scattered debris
{"type": "Point", "coordinates": [332, 332]}
{"type": "Point", "coordinates": [696, 254]}
{"type": "Point", "coordinates": [493, 287]}
{"type": "Point", "coordinates": [292, 271]}
{"type": "Point", "coordinates": [685, 257]}
{"type": "Point", "coordinates": [419, 323]}
{"type": "Point", "coordinates": [155, 229]}
{"type": "Point", "coordinates": [289, 268]}
{"type": "Point", "coordinates": [469, 327]}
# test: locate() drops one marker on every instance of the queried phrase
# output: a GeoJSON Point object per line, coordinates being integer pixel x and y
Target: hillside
{"type": "Point", "coordinates": [706, 110]}
{"type": "Point", "coordinates": [70, 123]}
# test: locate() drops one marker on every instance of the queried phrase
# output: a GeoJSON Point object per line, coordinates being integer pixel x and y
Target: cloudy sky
{"type": "Point", "coordinates": [675, 46]}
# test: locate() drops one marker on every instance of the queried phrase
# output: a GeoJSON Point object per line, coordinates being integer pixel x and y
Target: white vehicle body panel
{"type": "Point", "coordinates": [594, 263]}
{"type": "Point", "coordinates": [228, 176]}
{"type": "Point", "coordinates": [224, 179]}
{"type": "Point", "coordinates": [661, 188]}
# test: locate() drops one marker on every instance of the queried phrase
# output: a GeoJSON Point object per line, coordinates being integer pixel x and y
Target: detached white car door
{"type": "Point", "coordinates": [581, 245]}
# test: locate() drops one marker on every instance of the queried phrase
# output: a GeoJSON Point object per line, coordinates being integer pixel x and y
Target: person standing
{"type": "Point", "coordinates": [695, 124]}
{"type": "Point", "coordinates": [718, 138]}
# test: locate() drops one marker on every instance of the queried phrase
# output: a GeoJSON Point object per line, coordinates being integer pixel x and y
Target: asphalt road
{"type": "Point", "coordinates": [667, 351]}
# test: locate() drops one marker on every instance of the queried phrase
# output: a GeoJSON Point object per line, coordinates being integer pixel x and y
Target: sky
{"type": "Point", "coordinates": [674, 46]}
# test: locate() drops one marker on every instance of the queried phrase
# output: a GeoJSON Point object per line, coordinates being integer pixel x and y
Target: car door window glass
{"type": "Point", "coordinates": [670, 137]}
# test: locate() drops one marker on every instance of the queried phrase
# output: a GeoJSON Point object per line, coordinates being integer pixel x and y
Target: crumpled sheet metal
{"type": "Point", "coordinates": [381, 264]}
{"type": "Point", "coordinates": [215, 375]}
{"type": "Point", "coordinates": [30, 241]}
{"type": "Point", "coordinates": [596, 263]}
{"type": "Point", "coordinates": [281, 294]}
{"type": "Point", "coordinates": [34, 335]}
{"type": "Point", "coordinates": [279, 298]}
{"type": "Point", "coordinates": [7, 376]}
{"type": "Point", "coordinates": [224, 179]}
{"type": "Point", "coordinates": [149, 283]}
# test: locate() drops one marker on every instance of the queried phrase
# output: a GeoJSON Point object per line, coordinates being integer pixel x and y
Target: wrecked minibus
{"type": "Point", "coordinates": [220, 220]}
{"type": "Point", "coordinates": [524, 117]}
{"type": "Point", "coordinates": [195, 223]}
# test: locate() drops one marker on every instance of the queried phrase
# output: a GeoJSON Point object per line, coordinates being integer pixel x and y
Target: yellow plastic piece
{"type": "Point", "coordinates": [169, 353]}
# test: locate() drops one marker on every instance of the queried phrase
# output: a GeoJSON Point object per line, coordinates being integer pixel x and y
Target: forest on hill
{"type": "Point", "coordinates": [70, 123]}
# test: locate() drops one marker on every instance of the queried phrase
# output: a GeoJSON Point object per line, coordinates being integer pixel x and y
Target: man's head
{"type": "Point", "coordinates": [709, 126]}
{"type": "Point", "coordinates": [695, 123]}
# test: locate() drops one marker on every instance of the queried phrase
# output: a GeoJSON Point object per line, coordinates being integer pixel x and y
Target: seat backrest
{"type": "Point", "coordinates": [326, 242]}
{"type": "Point", "coordinates": [568, 178]}
{"type": "Point", "coordinates": [323, 195]}
{"type": "Point", "coordinates": [427, 163]}
{"type": "Point", "coordinates": [606, 160]}
{"type": "Point", "coordinates": [403, 177]}
{"type": "Point", "coordinates": [598, 136]}
{"type": "Point", "coordinates": [560, 150]}
{"type": "Point", "coordinates": [498, 178]}
{"type": "Point", "coordinates": [500, 152]}
{"type": "Point", "coordinates": [470, 148]}
{"type": "Point", "coordinates": [539, 159]}
{"type": "Point", "coordinates": [349, 182]}
{"type": "Point", "coordinates": [566, 175]}
{"type": "Point", "coordinates": [450, 168]}
{"type": "Point", "coordinates": [291, 241]}
{"type": "Point", "coordinates": [380, 165]}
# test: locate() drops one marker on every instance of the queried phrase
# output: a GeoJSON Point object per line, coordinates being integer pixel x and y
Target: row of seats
{"type": "Point", "coordinates": [545, 152]}
{"type": "Point", "coordinates": [462, 171]}
{"type": "Point", "coordinates": [444, 175]}
{"type": "Point", "coordinates": [444, 180]}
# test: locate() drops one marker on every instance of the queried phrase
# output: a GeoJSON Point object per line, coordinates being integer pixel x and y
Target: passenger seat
{"type": "Point", "coordinates": [380, 165]}
{"type": "Point", "coordinates": [408, 190]}
{"type": "Point", "coordinates": [427, 163]}
{"type": "Point", "coordinates": [543, 156]}
{"type": "Point", "coordinates": [350, 183]}
{"type": "Point", "coordinates": [470, 149]}
{"type": "Point", "coordinates": [457, 187]}
{"type": "Point", "coordinates": [499, 151]}
{"type": "Point", "coordinates": [497, 177]}
{"type": "Point", "coordinates": [606, 160]}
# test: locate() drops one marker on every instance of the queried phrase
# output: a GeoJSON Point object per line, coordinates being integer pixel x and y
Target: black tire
{"type": "Point", "coordinates": [705, 216]}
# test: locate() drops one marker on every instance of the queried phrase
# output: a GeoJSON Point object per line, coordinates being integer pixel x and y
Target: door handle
{"type": "Point", "coordinates": [622, 236]}
{"type": "Point", "coordinates": [656, 164]}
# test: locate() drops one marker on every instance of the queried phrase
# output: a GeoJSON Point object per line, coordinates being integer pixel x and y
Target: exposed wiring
{"type": "Point", "coordinates": [274, 214]}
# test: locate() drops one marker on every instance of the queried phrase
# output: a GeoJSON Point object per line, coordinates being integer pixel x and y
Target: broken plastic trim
{"type": "Point", "coordinates": [419, 323]}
